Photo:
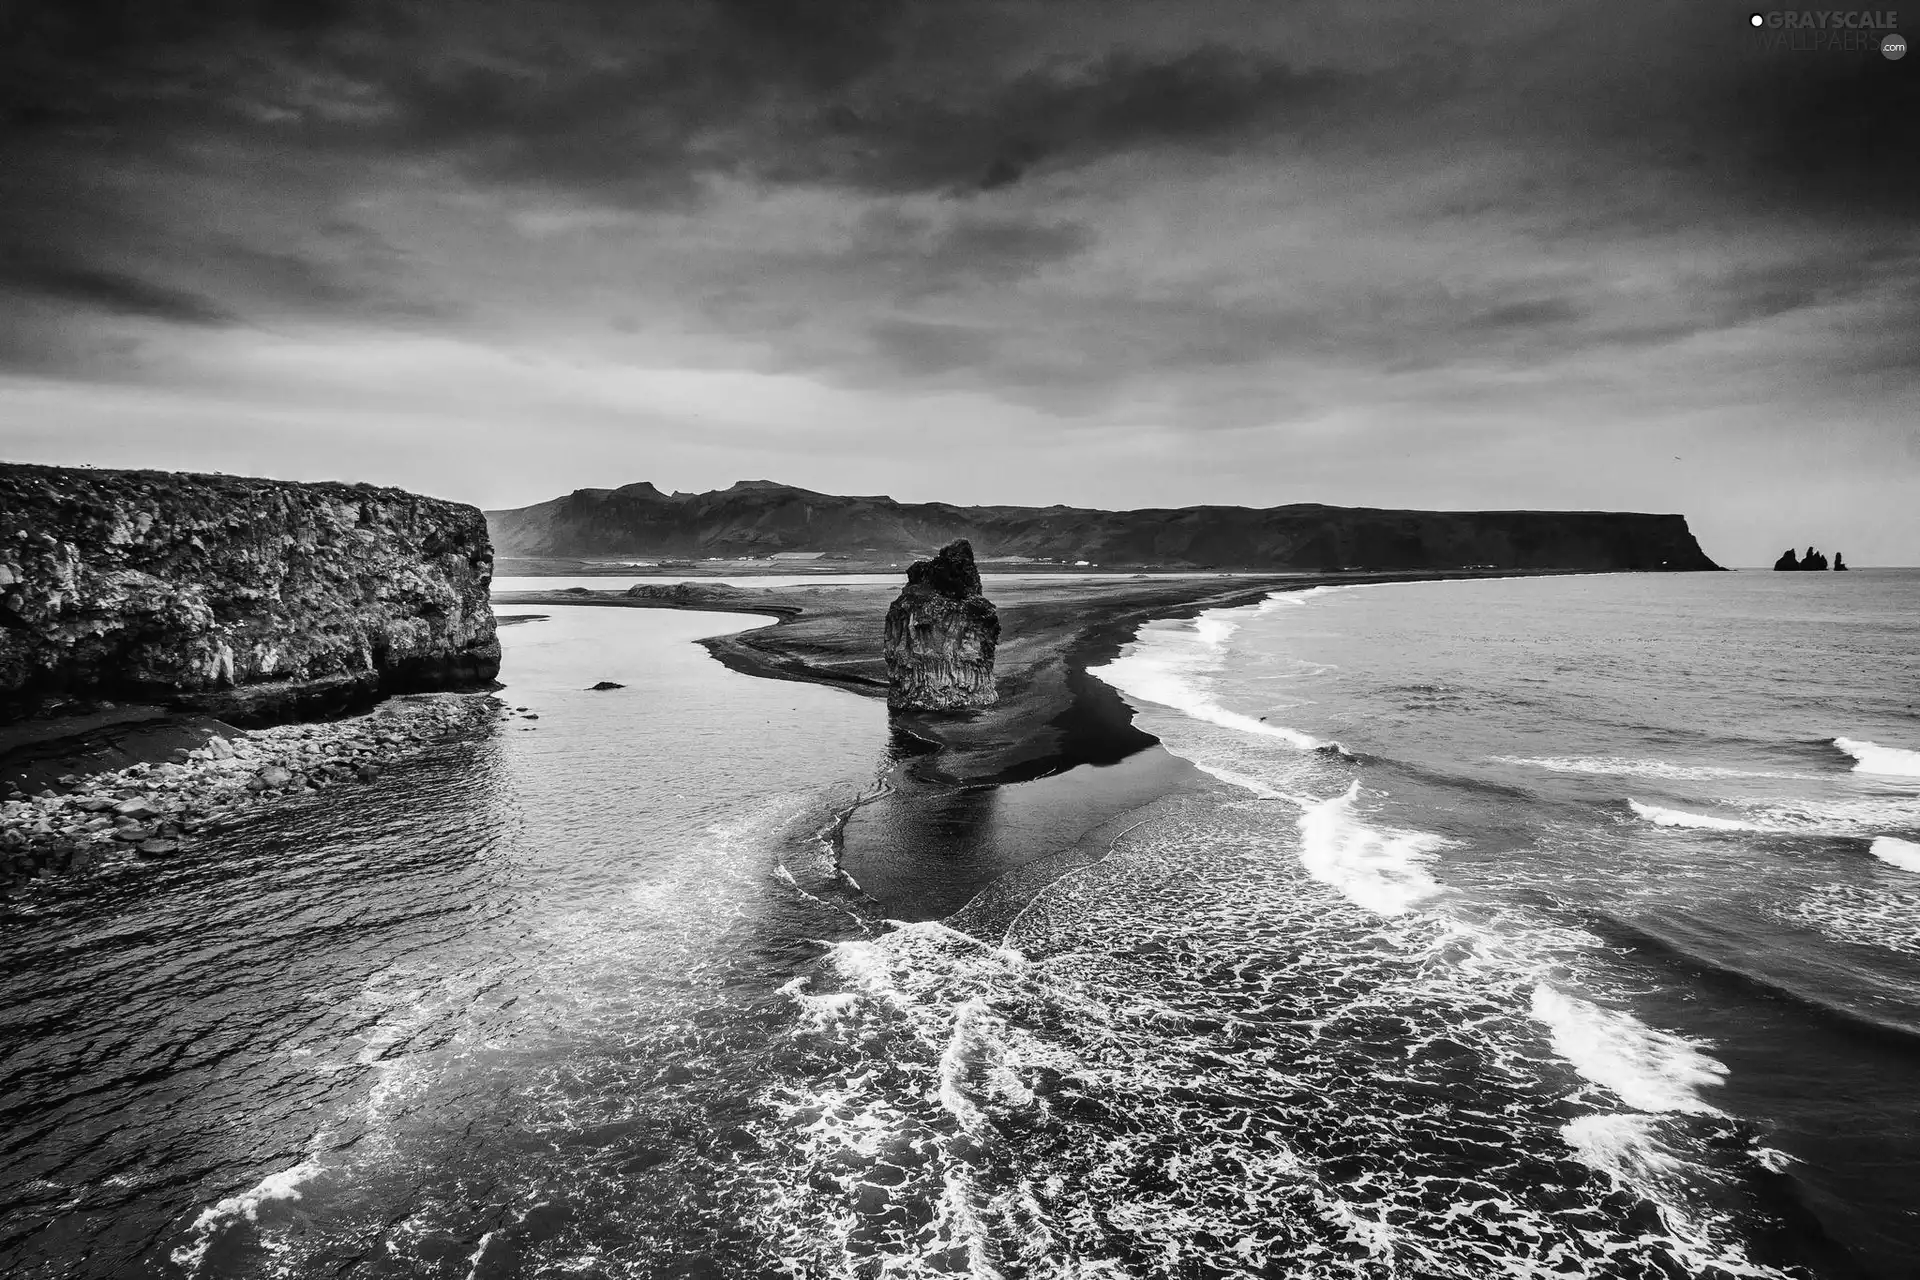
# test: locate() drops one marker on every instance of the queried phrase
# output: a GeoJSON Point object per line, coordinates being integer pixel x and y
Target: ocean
{"type": "Point", "coordinates": [1532, 927]}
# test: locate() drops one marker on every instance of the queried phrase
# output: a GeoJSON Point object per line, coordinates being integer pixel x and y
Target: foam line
{"type": "Point", "coordinates": [1627, 766]}
{"type": "Point", "coordinates": [1680, 818]}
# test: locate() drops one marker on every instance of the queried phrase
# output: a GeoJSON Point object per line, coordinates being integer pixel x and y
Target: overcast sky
{"type": "Point", "coordinates": [1103, 252]}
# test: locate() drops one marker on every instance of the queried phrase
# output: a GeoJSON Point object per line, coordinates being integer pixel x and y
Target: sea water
{"type": "Point", "coordinates": [1536, 928]}
{"type": "Point", "coordinates": [500, 1013]}
{"type": "Point", "coordinates": [1545, 927]}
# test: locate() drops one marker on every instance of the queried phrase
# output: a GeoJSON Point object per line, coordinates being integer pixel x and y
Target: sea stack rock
{"type": "Point", "coordinates": [941, 636]}
{"type": "Point", "coordinates": [255, 600]}
{"type": "Point", "coordinates": [1839, 563]}
{"type": "Point", "coordinates": [1787, 561]}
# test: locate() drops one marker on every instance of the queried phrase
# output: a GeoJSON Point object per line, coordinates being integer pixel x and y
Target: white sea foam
{"type": "Point", "coordinates": [977, 1064]}
{"type": "Point", "coordinates": [1173, 669]}
{"type": "Point", "coordinates": [1861, 916]}
{"type": "Point", "coordinates": [1649, 1070]}
{"type": "Point", "coordinates": [1627, 766]}
{"type": "Point", "coordinates": [1630, 1151]}
{"type": "Point", "coordinates": [1624, 1146]}
{"type": "Point", "coordinates": [1214, 628]}
{"type": "Point", "coordinates": [479, 1254]}
{"type": "Point", "coordinates": [976, 1077]}
{"type": "Point", "coordinates": [1861, 816]}
{"type": "Point", "coordinates": [1897, 762]}
{"type": "Point", "coordinates": [1904, 854]}
{"type": "Point", "coordinates": [1681, 818]}
{"type": "Point", "coordinates": [1255, 785]}
{"type": "Point", "coordinates": [284, 1185]}
{"type": "Point", "coordinates": [1294, 599]}
{"type": "Point", "coordinates": [1381, 870]}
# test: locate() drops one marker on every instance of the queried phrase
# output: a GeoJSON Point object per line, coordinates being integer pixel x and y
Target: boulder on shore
{"type": "Point", "coordinates": [941, 635]}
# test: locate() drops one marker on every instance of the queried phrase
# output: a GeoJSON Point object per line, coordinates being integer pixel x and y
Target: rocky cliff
{"type": "Point", "coordinates": [257, 600]}
{"type": "Point", "coordinates": [758, 518]}
{"type": "Point", "coordinates": [941, 635]}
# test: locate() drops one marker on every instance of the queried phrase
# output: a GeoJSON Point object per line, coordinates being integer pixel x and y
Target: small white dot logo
{"type": "Point", "coordinates": [1756, 20]}
{"type": "Point", "coordinates": [1895, 47]}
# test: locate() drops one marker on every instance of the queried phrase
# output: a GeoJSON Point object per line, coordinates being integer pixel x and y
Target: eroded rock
{"type": "Point", "coordinates": [941, 635]}
{"type": "Point", "coordinates": [258, 600]}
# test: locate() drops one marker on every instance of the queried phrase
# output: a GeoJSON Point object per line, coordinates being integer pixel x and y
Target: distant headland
{"type": "Point", "coordinates": [758, 519]}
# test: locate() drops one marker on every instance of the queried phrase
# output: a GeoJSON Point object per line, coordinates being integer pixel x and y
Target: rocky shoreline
{"type": "Point", "coordinates": [256, 601]}
{"type": "Point", "coordinates": [158, 810]}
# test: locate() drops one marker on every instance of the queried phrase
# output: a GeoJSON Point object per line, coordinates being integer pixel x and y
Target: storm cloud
{"type": "Point", "coordinates": [1141, 253]}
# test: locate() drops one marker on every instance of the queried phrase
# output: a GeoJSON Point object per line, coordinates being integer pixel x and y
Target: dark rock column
{"type": "Point", "coordinates": [941, 636]}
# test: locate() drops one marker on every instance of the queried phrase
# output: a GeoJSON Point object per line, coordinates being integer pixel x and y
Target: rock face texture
{"type": "Point", "coordinates": [760, 518]}
{"type": "Point", "coordinates": [941, 636]}
{"type": "Point", "coordinates": [255, 600]}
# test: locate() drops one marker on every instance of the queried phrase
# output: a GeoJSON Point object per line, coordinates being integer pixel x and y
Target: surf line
{"type": "Point", "coordinates": [1384, 870]}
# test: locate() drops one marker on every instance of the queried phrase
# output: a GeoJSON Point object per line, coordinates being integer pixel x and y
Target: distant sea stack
{"type": "Point", "coordinates": [255, 600]}
{"type": "Point", "coordinates": [758, 518]}
{"type": "Point", "coordinates": [941, 635]}
{"type": "Point", "coordinates": [1812, 560]}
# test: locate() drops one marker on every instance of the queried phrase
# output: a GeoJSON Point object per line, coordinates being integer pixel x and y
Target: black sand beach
{"type": "Point", "coordinates": [944, 827]}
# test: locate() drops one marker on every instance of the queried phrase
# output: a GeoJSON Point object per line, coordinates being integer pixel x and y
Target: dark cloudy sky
{"type": "Point", "coordinates": [1104, 252]}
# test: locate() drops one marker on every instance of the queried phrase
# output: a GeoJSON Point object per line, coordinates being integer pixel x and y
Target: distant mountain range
{"type": "Point", "coordinates": [758, 518]}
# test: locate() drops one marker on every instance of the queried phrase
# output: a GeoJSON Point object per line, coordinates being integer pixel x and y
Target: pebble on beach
{"type": "Point", "coordinates": [155, 810]}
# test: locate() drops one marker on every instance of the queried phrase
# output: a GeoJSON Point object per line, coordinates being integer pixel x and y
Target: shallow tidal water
{"type": "Point", "coordinates": [1509, 928]}
{"type": "Point", "coordinates": [479, 1018]}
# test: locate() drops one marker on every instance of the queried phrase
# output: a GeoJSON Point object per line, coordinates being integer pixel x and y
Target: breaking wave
{"type": "Point", "coordinates": [1904, 854]}
{"type": "Point", "coordinates": [1383, 871]}
{"type": "Point", "coordinates": [1680, 818]}
{"type": "Point", "coordinates": [1895, 762]}
{"type": "Point", "coordinates": [1625, 766]}
{"type": "Point", "coordinates": [1176, 669]}
{"type": "Point", "coordinates": [1648, 1070]}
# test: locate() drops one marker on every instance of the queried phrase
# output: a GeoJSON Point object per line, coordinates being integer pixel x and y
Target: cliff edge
{"type": "Point", "coordinates": [941, 635]}
{"type": "Point", "coordinates": [759, 518]}
{"type": "Point", "coordinates": [254, 600]}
